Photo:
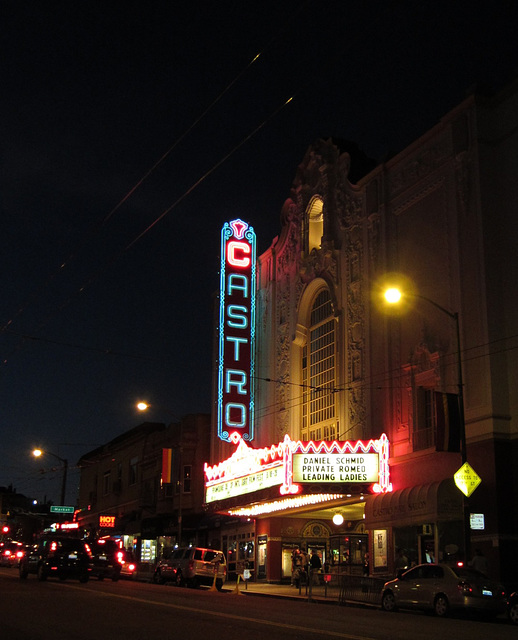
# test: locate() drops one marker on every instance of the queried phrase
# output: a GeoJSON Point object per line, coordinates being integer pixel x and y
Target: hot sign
{"type": "Point", "coordinates": [106, 522]}
{"type": "Point", "coordinates": [236, 331]}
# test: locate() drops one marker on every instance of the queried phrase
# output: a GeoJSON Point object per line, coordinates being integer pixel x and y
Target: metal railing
{"type": "Point", "coordinates": [342, 587]}
{"type": "Point", "coordinates": [364, 589]}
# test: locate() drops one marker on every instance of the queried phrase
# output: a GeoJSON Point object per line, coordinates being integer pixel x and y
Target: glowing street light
{"type": "Point", "coordinates": [392, 295]}
{"type": "Point", "coordinates": [37, 453]}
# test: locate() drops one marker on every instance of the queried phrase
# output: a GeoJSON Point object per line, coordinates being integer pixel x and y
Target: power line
{"type": "Point", "coordinates": [95, 230]}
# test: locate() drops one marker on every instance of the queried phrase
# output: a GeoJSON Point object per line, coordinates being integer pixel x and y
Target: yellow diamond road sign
{"type": "Point", "coordinates": [467, 479]}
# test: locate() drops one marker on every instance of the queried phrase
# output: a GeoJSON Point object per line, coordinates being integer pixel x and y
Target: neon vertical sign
{"type": "Point", "coordinates": [236, 331]}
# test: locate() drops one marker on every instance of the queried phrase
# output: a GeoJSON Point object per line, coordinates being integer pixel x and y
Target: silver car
{"type": "Point", "coordinates": [193, 566]}
{"type": "Point", "coordinates": [441, 588]}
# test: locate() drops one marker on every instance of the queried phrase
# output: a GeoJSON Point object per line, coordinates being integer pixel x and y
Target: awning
{"type": "Point", "coordinates": [421, 504]}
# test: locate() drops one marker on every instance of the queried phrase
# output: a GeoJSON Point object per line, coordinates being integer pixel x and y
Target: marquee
{"type": "Point", "coordinates": [291, 464]}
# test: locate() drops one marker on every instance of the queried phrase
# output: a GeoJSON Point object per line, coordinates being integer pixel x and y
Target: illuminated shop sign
{"type": "Point", "coordinates": [236, 331]}
{"type": "Point", "coordinates": [107, 522]}
{"type": "Point", "coordinates": [291, 464]}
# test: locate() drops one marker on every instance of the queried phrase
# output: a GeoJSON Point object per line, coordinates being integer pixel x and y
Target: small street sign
{"type": "Point", "coordinates": [61, 509]}
{"type": "Point", "coordinates": [467, 479]}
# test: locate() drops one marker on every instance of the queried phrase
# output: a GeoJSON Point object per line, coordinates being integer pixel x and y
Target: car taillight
{"type": "Point", "coordinates": [19, 554]}
{"type": "Point", "coordinates": [7, 553]}
{"type": "Point", "coordinates": [120, 557]}
{"type": "Point", "coordinates": [191, 564]}
{"type": "Point", "coordinates": [465, 587]}
{"type": "Point", "coordinates": [132, 567]}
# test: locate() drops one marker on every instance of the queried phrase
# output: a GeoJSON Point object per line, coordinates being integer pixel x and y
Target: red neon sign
{"type": "Point", "coordinates": [107, 522]}
{"type": "Point", "coordinates": [236, 332]}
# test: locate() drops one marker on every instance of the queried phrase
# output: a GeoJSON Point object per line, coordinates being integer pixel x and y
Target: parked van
{"type": "Point", "coordinates": [193, 566]}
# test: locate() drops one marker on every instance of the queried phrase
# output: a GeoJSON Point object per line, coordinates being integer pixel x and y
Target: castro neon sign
{"type": "Point", "coordinates": [236, 332]}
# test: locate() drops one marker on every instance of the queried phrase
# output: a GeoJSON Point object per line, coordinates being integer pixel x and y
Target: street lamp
{"type": "Point", "coordinates": [394, 295]}
{"type": "Point", "coordinates": [144, 406]}
{"type": "Point", "coordinates": [38, 453]}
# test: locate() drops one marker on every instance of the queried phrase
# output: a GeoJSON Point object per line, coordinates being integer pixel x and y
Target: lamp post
{"type": "Point", "coordinates": [393, 295]}
{"type": "Point", "coordinates": [144, 406]}
{"type": "Point", "coordinates": [38, 452]}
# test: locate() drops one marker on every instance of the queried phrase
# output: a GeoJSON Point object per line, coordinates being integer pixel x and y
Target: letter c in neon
{"type": "Point", "coordinates": [235, 248]}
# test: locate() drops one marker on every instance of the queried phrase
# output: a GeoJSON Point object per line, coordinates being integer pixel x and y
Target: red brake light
{"type": "Point", "coordinates": [19, 554]}
{"type": "Point", "coordinates": [465, 587]}
{"type": "Point", "coordinates": [131, 567]}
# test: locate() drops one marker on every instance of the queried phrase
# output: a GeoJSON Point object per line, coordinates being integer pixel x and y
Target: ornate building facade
{"type": "Point", "coordinates": [334, 362]}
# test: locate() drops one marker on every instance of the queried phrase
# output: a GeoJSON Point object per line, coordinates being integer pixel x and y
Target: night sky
{"type": "Point", "coordinates": [131, 131]}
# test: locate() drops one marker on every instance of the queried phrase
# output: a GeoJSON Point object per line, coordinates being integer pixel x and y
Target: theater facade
{"type": "Point", "coordinates": [339, 422]}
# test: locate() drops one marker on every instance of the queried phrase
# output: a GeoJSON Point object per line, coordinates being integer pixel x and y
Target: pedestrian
{"type": "Point", "coordinates": [365, 568]}
{"type": "Point", "coordinates": [296, 566]}
{"type": "Point", "coordinates": [315, 565]}
{"type": "Point", "coordinates": [305, 562]}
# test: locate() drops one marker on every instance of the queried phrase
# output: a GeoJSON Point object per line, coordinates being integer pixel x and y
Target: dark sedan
{"type": "Point", "coordinates": [441, 588]}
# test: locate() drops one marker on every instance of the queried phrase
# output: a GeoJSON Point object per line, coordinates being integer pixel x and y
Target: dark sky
{"type": "Point", "coordinates": [99, 305]}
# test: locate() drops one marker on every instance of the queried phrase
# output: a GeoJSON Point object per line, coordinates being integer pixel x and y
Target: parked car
{"type": "Point", "coordinates": [128, 564]}
{"type": "Point", "coordinates": [193, 566]}
{"type": "Point", "coordinates": [106, 559]}
{"type": "Point", "coordinates": [63, 557]}
{"type": "Point", "coordinates": [512, 607]}
{"type": "Point", "coordinates": [441, 588]}
{"type": "Point", "coordinates": [10, 553]}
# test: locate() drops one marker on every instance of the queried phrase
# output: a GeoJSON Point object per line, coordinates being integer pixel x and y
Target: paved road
{"type": "Point", "coordinates": [32, 610]}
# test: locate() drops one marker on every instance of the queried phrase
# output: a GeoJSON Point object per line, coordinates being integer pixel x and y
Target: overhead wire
{"type": "Point", "coordinates": [96, 229]}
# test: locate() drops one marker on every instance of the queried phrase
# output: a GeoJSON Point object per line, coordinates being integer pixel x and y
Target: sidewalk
{"type": "Point", "coordinates": [347, 590]}
{"type": "Point", "coordinates": [272, 590]}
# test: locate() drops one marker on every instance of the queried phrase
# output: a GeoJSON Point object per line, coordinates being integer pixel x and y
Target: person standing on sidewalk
{"type": "Point", "coordinates": [296, 567]}
{"type": "Point", "coordinates": [315, 565]}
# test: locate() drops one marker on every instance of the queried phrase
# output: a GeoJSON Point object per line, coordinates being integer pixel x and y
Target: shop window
{"type": "Point", "coordinates": [348, 551]}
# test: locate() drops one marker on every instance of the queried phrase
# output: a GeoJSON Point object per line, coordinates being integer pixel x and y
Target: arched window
{"type": "Point", "coordinates": [318, 372]}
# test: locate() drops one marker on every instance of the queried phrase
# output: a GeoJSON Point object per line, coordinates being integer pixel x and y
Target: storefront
{"type": "Point", "coordinates": [413, 525]}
